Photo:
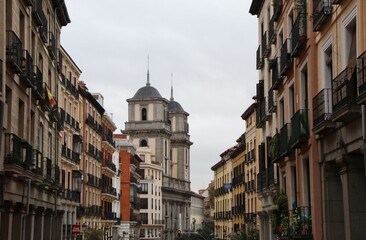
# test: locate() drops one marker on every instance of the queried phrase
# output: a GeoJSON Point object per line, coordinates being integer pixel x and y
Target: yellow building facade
{"type": "Point", "coordinates": [223, 196]}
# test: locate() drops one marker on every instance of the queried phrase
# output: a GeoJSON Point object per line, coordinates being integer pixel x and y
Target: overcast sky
{"type": "Point", "coordinates": [208, 45]}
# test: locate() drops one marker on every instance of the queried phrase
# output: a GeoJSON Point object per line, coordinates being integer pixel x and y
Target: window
{"type": "Point", "coordinates": [143, 143]}
{"type": "Point", "coordinates": [291, 101]}
{"type": "Point", "coordinates": [143, 114]}
{"type": "Point", "coordinates": [304, 88]}
{"type": "Point", "coordinates": [144, 188]}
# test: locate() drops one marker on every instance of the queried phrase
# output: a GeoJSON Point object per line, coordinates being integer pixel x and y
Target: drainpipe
{"type": "Point", "coordinates": [363, 110]}
{"type": "Point", "coordinates": [27, 208]}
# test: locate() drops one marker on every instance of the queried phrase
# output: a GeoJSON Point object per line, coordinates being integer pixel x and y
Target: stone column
{"type": "Point", "coordinates": [39, 221]}
{"type": "Point", "coordinates": [30, 223]}
{"type": "Point", "coordinates": [7, 222]}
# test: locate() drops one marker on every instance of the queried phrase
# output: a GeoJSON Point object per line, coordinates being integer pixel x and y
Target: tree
{"type": "Point", "coordinates": [207, 230]}
{"type": "Point", "coordinates": [93, 234]}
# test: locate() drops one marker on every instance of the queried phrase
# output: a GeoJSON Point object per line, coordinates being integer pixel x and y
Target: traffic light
{"type": "Point", "coordinates": [179, 233]}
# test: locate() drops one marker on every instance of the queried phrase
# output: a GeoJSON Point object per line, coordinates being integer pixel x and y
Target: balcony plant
{"type": "Point", "coordinates": [280, 219]}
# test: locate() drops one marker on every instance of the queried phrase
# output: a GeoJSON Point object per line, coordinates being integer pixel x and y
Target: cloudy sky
{"type": "Point", "coordinates": [208, 45]}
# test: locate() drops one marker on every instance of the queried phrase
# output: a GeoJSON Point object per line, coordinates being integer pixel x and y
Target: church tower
{"type": "Point", "coordinates": [159, 130]}
{"type": "Point", "coordinates": [149, 129]}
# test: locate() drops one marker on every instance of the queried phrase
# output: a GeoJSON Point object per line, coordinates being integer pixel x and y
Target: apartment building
{"type": "Point", "coordinates": [30, 119]}
{"type": "Point", "coordinates": [109, 173]}
{"type": "Point", "coordinates": [311, 65]}
{"type": "Point", "coordinates": [71, 140]}
{"type": "Point", "coordinates": [285, 157]}
{"type": "Point", "coordinates": [238, 185]}
{"type": "Point", "coordinates": [338, 116]}
{"type": "Point", "coordinates": [89, 213]}
{"type": "Point", "coordinates": [129, 166]}
{"type": "Point", "coordinates": [252, 180]}
{"type": "Point", "coordinates": [223, 195]}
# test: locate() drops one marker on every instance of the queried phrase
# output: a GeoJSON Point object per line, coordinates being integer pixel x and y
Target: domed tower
{"type": "Point", "coordinates": [180, 140]}
{"type": "Point", "coordinates": [176, 179]}
{"type": "Point", "coordinates": [149, 130]}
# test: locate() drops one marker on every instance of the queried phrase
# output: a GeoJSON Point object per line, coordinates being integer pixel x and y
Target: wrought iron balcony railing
{"type": "Point", "coordinates": [272, 101]}
{"type": "Point", "coordinates": [344, 89]}
{"type": "Point", "coordinates": [285, 135]}
{"type": "Point", "coordinates": [27, 69]}
{"type": "Point", "coordinates": [43, 30]}
{"type": "Point", "coordinates": [322, 10]}
{"type": "Point", "coordinates": [361, 74]}
{"type": "Point", "coordinates": [260, 61]}
{"type": "Point", "coordinates": [276, 76]}
{"type": "Point", "coordinates": [322, 107]}
{"type": "Point", "coordinates": [277, 9]}
{"type": "Point", "coordinates": [52, 47]}
{"type": "Point", "coordinates": [37, 12]}
{"type": "Point", "coordinates": [298, 35]}
{"type": "Point", "coordinates": [285, 60]}
{"type": "Point", "coordinates": [266, 48]}
{"type": "Point", "coordinates": [17, 151]}
{"type": "Point", "coordinates": [38, 90]}
{"type": "Point", "coordinates": [14, 51]}
{"type": "Point", "coordinates": [272, 31]}
{"type": "Point", "coordinates": [299, 128]}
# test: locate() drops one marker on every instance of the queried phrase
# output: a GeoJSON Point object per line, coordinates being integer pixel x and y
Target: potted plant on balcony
{"type": "Point", "coordinates": [280, 219]}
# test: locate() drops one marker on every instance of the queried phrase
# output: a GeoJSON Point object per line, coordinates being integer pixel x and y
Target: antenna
{"type": "Point", "coordinates": [148, 73]}
{"type": "Point", "coordinates": [171, 88]}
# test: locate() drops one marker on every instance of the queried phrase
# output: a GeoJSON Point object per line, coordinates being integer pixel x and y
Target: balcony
{"type": "Point", "coordinates": [285, 60]}
{"type": "Point", "coordinates": [37, 162]}
{"type": "Point", "coordinates": [268, 178]}
{"type": "Point", "coordinates": [109, 215]}
{"type": "Point", "coordinates": [262, 113]}
{"type": "Point", "coordinates": [110, 191]}
{"type": "Point", "coordinates": [272, 31]}
{"type": "Point", "coordinates": [294, 224]}
{"type": "Point", "coordinates": [250, 218]}
{"type": "Point", "coordinates": [18, 154]}
{"type": "Point", "coordinates": [109, 167]}
{"type": "Point", "coordinates": [260, 62]}
{"type": "Point", "coordinates": [274, 146]}
{"type": "Point", "coordinates": [27, 70]}
{"type": "Point", "coordinates": [94, 181]}
{"type": "Point", "coordinates": [299, 128]}
{"type": "Point", "coordinates": [322, 111]}
{"type": "Point", "coordinates": [322, 10]}
{"type": "Point", "coordinates": [276, 76]}
{"type": "Point", "coordinates": [45, 102]}
{"type": "Point", "coordinates": [344, 88]}
{"type": "Point", "coordinates": [361, 78]}
{"type": "Point", "coordinates": [298, 35]}
{"type": "Point", "coordinates": [72, 195]}
{"type": "Point", "coordinates": [14, 52]}
{"type": "Point", "coordinates": [272, 101]}
{"type": "Point", "coordinates": [266, 48]}
{"type": "Point", "coordinates": [54, 114]}
{"type": "Point", "coordinates": [43, 30]}
{"type": "Point", "coordinates": [250, 156]}
{"type": "Point", "coordinates": [284, 140]}
{"type": "Point", "coordinates": [38, 90]}
{"type": "Point", "coordinates": [277, 9]}
{"type": "Point", "coordinates": [37, 12]}
{"type": "Point", "coordinates": [52, 47]}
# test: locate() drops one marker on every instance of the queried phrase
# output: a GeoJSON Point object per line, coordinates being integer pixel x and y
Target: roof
{"type": "Point", "coordinates": [174, 106]}
{"type": "Point", "coordinates": [256, 7]}
{"type": "Point", "coordinates": [147, 92]}
{"type": "Point", "coordinates": [248, 111]}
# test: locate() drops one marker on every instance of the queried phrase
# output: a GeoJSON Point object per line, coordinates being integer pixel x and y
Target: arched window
{"type": "Point", "coordinates": [143, 114]}
{"type": "Point", "coordinates": [143, 143]}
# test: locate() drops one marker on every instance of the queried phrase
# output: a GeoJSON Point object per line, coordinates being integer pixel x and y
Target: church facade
{"type": "Point", "coordinates": [159, 129]}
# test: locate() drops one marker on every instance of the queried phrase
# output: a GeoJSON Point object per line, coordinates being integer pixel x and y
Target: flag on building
{"type": "Point", "coordinates": [51, 99]}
